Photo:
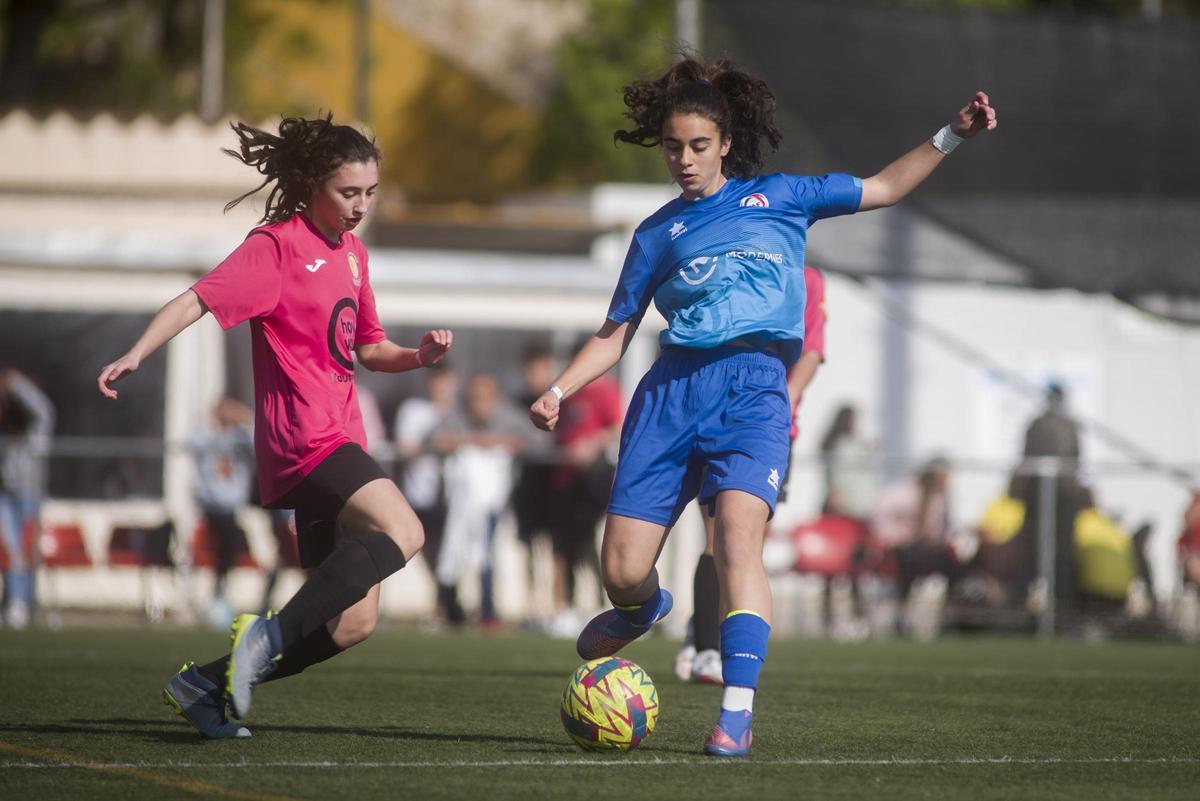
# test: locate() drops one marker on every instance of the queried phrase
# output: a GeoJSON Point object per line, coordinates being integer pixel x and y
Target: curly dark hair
{"type": "Point", "coordinates": [741, 105]}
{"type": "Point", "coordinates": [305, 154]}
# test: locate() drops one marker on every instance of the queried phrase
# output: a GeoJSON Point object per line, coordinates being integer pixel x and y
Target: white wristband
{"type": "Point", "coordinates": [420, 361]}
{"type": "Point", "coordinates": [553, 389]}
{"type": "Point", "coordinates": [946, 140]}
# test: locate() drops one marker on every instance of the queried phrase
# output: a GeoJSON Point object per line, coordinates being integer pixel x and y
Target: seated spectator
{"type": "Point", "coordinates": [911, 524]}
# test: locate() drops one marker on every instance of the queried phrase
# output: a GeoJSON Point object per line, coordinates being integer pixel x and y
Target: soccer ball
{"type": "Point", "coordinates": [609, 704]}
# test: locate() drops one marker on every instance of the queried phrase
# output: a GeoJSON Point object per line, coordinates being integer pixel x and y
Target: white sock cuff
{"type": "Point", "coordinates": [738, 698]}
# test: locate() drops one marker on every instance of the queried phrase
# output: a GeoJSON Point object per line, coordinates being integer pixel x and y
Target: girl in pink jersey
{"type": "Point", "coordinates": [302, 281]}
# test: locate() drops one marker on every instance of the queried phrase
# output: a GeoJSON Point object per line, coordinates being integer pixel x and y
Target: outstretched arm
{"type": "Point", "coordinates": [594, 359]}
{"type": "Point", "coordinates": [906, 173]}
{"type": "Point", "coordinates": [388, 357]}
{"type": "Point", "coordinates": [172, 318]}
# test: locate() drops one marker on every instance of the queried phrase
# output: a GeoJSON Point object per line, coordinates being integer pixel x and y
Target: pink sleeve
{"type": "Point", "coordinates": [367, 328]}
{"type": "Point", "coordinates": [246, 284]}
{"type": "Point", "coordinates": [814, 312]}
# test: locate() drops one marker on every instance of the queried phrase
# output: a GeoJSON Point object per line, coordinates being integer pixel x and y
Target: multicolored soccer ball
{"type": "Point", "coordinates": [609, 704]}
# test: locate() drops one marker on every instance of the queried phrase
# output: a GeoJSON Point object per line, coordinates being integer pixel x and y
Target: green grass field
{"type": "Point", "coordinates": [418, 716]}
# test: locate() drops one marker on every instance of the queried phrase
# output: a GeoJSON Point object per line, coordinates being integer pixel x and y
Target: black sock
{"type": "Point", "coordinates": [215, 671]}
{"type": "Point", "coordinates": [706, 593]}
{"type": "Point", "coordinates": [341, 581]}
{"type": "Point", "coordinates": [316, 647]}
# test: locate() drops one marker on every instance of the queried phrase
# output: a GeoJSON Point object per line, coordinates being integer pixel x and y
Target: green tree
{"type": "Point", "coordinates": [620, 42]}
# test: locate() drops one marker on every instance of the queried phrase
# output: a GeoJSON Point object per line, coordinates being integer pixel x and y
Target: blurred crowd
{"type": "Point", "coordinates": [467, 459]}
{"type": "Point", "coordinates": [895, 546]}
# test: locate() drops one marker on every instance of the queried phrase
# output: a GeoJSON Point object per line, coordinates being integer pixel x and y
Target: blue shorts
{"type": "Point", "coordinates": [700, 422]}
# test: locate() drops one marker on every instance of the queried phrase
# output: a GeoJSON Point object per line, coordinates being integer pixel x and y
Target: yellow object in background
{"type": "Point", "coordinates": [1105, 554]}
{"type": "Point", "coordinates": [1002, 520]}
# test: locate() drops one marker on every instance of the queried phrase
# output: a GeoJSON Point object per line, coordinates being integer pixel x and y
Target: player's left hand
{"type": "Point", "coordinates": [544, 411]}
{"type": "Point", "coordinates": [435, 345]}
{"type": "Point", "coordinates": [975, 117]}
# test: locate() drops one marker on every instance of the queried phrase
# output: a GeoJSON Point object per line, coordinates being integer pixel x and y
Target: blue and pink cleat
{"type": "Point", "coordinates": [609, 631]}
{"type": "Point", "coordinates": [731, 735]}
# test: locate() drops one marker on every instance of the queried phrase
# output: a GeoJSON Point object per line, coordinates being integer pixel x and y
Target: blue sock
{"type": "Point", "coordinates": [642, 614]}
{"type": "Point", "coordinates": [743, 648]}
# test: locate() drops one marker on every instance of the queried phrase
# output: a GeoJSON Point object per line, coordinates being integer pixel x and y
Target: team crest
{"type": "Point", "coordinates": [758, 200]}
{"type": "Point", "coordinates": [353, 262]}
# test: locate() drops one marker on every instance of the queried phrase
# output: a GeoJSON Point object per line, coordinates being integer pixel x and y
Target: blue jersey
{"type": "Point", "coordinates": [731, 265]}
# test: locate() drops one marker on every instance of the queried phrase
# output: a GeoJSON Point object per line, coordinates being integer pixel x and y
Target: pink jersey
{"type": "Point", "coordinates": [309, 304]}
{"type": "Point", "coordinates": [814, 311]}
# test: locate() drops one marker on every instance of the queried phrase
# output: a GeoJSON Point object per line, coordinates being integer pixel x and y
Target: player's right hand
{"type": "Point", "coordinates": [544, 411]}
{"type": "Point", "coordinates": [115, 372]}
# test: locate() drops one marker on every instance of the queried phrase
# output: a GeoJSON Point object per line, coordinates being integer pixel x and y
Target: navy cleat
{"type": "Point", "coordinates": [731, 735]}
{"type": "Point", "coordinates": [252, 658]}
{"type": "Point", "coordinates": [608, 632]}
{"type": "Point", "coordinates": [202, 702]}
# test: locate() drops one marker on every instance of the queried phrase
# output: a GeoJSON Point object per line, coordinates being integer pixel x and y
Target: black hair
{"type": "Point", "coordinates": [842, 425]}
{"type": "Point", "coordinates": [305, 154]}
{"type": "Point", "coordinates": [741, 105]}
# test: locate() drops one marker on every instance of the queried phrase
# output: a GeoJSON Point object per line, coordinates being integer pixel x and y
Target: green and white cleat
{"type": "Point", "coordinates": [252, 658]}
{"type": "Point", "coordinates": [202, 703]}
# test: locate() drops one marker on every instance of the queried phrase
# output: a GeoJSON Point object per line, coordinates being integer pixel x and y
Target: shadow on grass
{"type": "Point", "coordinates": [148, 729]}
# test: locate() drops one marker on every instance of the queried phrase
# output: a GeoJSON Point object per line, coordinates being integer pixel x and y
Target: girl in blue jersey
{"type": "Point", "coordinates": [723, 263]}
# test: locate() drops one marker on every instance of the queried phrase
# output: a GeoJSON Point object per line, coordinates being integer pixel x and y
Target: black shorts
{"type": "Point", "coordinates": [318, 499]}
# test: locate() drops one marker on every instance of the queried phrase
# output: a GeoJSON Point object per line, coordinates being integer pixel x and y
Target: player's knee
{"type": "Point", "coordinates": [409, 535]}
{"type": "Point", "coordinates": [622, 579]}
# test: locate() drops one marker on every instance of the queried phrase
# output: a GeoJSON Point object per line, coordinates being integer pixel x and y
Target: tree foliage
{"type": "Point", "coordinates": [620, 42]}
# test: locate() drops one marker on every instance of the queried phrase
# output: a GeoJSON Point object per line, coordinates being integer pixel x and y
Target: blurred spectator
{"type": "Point", "coordinates": [223, 451]}
{"type": "Point", "coordinates": [421, 478]}
{"type": "Point", "coordinates": [1006, 560]}
{"type": "Point", "coordinates": [1053, 432]}
{"type": "Point", "coordinates": [1189, 542]}
{"type": "Point", "coordinates": [911, 520]}
{"type": "Point", "coordinates": [1187, 605]}
{"type": "Point", "coordinates": [580, 486]}
{"type": "Point", "coordinates": [531, 496]}
{"type": "Point", "coordinates": [849, 474]}
{"type": "Point", "coordinates": [26, 427]}
{"type": "Point", "coordinates": [480, 442]}
{"type": "Point", "coordinates": [287, 553]}
{"type": "Point", "coordinates": [372, 419]}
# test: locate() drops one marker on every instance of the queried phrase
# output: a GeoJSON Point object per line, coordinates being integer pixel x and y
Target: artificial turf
{"type": "Point", "coordinates": [413, 715]}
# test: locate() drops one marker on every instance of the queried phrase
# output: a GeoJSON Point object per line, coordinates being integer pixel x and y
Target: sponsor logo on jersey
{"type": "Point", "coordinates": [342, 323]}
{"type": "Point", "coordinates": [776, 258]}
{"type": "Point", "coordinates": [678, 230]}
{"type": "Point", "coordinates": [758, 200]}
{"type": "Point", "coordinates": [316, 265]}
{"type": "Point", "coordinates": [773, 479]}
{"type": "Point", "coordinates": [353, 262]}
{"type": "Point", "coordinates": [698, 275]}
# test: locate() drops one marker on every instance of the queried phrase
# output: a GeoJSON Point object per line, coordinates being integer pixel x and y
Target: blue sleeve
{"type": "Point", "coordinates": [827, 196]}
{"type": "Point", "coordinates": [635, 287]}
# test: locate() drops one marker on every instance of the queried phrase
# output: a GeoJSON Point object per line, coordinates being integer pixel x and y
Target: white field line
{"type": "Point", "coordinates": [611, 763]}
